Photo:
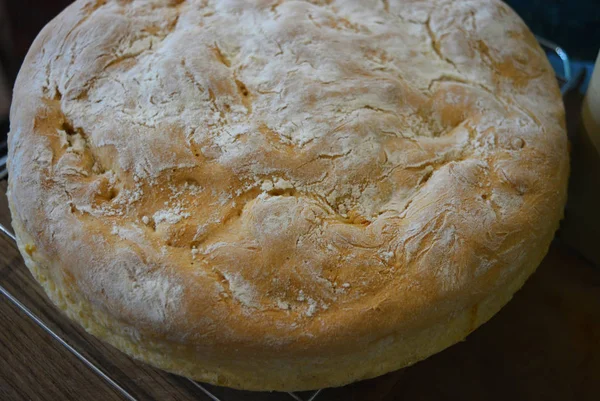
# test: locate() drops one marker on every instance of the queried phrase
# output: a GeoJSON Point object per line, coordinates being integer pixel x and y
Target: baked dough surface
{"type": "Point", "coordinates": [285, 195]}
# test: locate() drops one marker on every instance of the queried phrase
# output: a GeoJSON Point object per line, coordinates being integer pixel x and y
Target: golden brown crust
{"type": "Point", "coordinates": [285, 182]}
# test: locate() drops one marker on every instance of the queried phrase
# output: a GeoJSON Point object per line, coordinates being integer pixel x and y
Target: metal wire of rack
{"type": "Point", "coordinates": [567, 82]}
{"type": "Point", "coordinates": [565, 79]}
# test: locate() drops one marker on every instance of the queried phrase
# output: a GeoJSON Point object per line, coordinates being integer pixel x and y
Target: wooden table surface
{"type": "Point", "coordinates": [544, 345]}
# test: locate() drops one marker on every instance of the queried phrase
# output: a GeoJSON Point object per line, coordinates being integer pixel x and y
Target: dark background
{"type": "Point", "coordinates": [573, 24]}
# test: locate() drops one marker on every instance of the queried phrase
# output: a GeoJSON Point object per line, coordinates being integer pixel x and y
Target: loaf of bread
{"type": "Point", "coordinates": [285, 195]}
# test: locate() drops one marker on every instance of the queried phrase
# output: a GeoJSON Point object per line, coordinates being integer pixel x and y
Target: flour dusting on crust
{"type": "Point", "coordinates": [210, 170]}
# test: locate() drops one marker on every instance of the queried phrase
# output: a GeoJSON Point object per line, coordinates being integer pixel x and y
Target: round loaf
{"type": "Point", "coordinates": [285, 195]}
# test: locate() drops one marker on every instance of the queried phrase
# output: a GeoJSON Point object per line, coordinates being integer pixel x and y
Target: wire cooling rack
{"type": "Point", "coordinates": [567, 82]}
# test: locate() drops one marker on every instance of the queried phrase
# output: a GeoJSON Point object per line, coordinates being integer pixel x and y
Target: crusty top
{"type": "Point", "coordinates": [306, 176]}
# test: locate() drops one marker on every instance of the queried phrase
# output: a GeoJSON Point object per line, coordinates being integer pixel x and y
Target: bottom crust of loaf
{"type": "Point", "coordinates": [297, 374]}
